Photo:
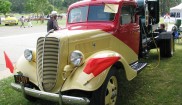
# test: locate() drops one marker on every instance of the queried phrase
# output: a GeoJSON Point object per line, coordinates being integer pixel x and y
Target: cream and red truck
{"type": "Point", "coordinates": [85, 63]}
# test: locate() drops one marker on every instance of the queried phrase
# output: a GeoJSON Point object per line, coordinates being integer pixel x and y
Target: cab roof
{"type": "Point", "coordinates": [90, 2]}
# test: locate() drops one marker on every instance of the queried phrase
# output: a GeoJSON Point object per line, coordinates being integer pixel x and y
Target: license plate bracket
{"type": "Point", "coordinates": [21, 79]}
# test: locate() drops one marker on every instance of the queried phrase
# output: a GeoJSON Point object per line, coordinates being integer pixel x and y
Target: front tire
{"type": "Point", "coordinates": [108, 93]}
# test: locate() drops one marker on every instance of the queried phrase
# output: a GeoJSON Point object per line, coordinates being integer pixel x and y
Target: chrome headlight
{"type": "Point", "coordinates": [28, 55]}
{"type": "Point", "coordinates": [77, 58]}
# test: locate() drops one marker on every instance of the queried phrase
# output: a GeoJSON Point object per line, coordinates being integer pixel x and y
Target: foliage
{"type": "Point", "coordinates": [5, 6]}
{"type": "Point", "coordinates": [19, 6]}
{"type": "Point", "coordinates": [165, 5]}
{"type": "Point", "coordinates": [38, 6]}
{"type": "Point", "coordinates": [41, 6]}
{"type": "Point", "coordinates": [68, 2]}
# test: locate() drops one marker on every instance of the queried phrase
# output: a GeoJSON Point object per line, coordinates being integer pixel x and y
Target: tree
{"type": "Point", "coordinates": [5, 6]}
{"type": "Point", "coordinates": [165, 5]}
{"type": "Point", "coordinates": [62, 5]}
{"type": "Point", "coordinates": [38, 6]}
{"type": "Point", "coordinates": [68, 2]}
{"type": "Point", "coordinates": [18, 6]}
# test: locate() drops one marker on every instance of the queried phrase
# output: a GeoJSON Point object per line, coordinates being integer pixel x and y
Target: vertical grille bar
{"type": "Point", "coordinates": [47, 61]}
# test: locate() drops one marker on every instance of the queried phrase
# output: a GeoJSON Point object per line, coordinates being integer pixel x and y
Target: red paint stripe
{"type": "Point", "coordinates": [98, 65]}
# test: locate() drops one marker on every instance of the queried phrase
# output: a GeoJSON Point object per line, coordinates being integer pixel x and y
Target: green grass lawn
{"type": "Point", "coordinates": [153, 86]}
{"type": "Point", "coordinates": [161, 85]}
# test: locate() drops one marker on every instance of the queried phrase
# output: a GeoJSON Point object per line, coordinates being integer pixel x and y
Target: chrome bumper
{"type": "Point", "coordinates": [62, 99]}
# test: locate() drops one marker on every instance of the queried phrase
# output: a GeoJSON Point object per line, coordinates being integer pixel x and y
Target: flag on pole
{"type": "Point", "coordinates": [9, 64]}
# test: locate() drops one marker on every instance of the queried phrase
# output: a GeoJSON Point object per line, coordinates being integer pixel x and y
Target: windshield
{"type": "Point", "coordinates": [95, 13]}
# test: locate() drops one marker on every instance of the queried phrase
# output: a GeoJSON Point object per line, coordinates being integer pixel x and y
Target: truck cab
{"type": "Point", "coordinates": [115, 17]}
{"type": "Point", "coordinates": [87, 62]}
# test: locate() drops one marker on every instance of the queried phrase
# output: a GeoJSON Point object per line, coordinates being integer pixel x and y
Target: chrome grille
{"type": "Point", "coordinates": [47, 61]}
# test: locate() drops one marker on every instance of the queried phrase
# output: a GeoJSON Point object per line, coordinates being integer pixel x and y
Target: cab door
{"type": "Point", "coordinates": [129, 28]}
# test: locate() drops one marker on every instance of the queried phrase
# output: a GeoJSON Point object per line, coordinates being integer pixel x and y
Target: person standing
{"type": "Point", "coordinates": [166, 20]}
{"type": "Point", "coordinates": [29, 22]}
{"type": "Point", "coordinates": [22, 20]}
{"type": "Point", "coordinates": [52, 22]}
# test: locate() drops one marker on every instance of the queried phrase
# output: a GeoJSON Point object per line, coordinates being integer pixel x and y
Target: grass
{"type": "Point", "coordinates": [10, 97]}
{"type": "Point", "coordinates": [161, 85]}
{"type": "Point", "coordinates": [153, 86]}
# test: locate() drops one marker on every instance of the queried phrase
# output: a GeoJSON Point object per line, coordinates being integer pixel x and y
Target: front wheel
{"type": "Point", "coordinates": [107, 94]}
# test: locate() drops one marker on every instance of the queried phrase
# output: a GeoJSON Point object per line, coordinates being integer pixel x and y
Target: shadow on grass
{"type": "Point", "coordinates": [42, 102]}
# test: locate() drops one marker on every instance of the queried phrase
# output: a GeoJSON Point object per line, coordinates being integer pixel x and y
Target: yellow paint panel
{"type": "Point", "coordinates": [93, 45]}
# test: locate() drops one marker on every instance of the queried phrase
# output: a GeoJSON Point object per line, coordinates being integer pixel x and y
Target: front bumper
{"type": "Point", "coordinates": [62, 99]}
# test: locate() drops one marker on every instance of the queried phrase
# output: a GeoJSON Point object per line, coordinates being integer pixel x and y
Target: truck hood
{"type": "Point", "coordinates": [108, 26]}
{"type": "Point", "coordinates": [70, 34]}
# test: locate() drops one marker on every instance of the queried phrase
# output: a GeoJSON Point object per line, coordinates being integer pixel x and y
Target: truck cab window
{"type": "Point", "coordinates": [100, 15]}
{"type": "Point", "coordinates": [78, 15]}
{"type": "Point", "coordinates": [89, 13]}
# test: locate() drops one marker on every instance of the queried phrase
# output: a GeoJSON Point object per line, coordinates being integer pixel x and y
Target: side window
{"type": "Point", "coordinates": [127, 15]}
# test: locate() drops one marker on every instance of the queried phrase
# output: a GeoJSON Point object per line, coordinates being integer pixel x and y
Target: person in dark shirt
{"type": "Point", "coordinates": [161, 29]}
{"type": "Point", "coordinates": [52, 22]}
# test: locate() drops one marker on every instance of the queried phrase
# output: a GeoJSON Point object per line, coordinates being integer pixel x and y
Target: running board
{"type": "Point", "coordinates": [138, 66]}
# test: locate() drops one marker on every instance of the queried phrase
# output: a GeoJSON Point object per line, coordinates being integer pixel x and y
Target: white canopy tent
{"type": "Point", "coordinates": [176, 12]}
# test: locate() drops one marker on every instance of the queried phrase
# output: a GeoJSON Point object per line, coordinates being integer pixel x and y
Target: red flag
{"type": "Point", "coordinates": [9, 64]}
{"type": "Point", "coordinates": [98, 65]}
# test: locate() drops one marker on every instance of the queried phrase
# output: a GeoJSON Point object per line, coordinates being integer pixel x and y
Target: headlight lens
{"type": "Point", "coordinates": [28, 55]}
{"type": "Point", "coordinates": [77, 58]}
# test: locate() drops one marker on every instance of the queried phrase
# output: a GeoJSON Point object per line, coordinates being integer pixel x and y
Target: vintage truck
{"type": "Point", "coordinates": [85, 63]}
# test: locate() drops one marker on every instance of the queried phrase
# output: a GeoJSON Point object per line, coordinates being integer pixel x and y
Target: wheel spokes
{"type": "Point", "coordinates": [111, 92]}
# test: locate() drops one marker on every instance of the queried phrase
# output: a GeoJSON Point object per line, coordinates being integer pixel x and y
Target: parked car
{"type": "Point", "coordinates": [10, 20]}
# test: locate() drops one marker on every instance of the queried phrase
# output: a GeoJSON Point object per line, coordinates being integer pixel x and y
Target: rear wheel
{"type": "Point", "coordinates": [108, 93]}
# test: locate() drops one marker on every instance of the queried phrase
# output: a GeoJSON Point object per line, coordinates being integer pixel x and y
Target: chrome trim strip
{"type": "Point", "coordinates": [62, 99]}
